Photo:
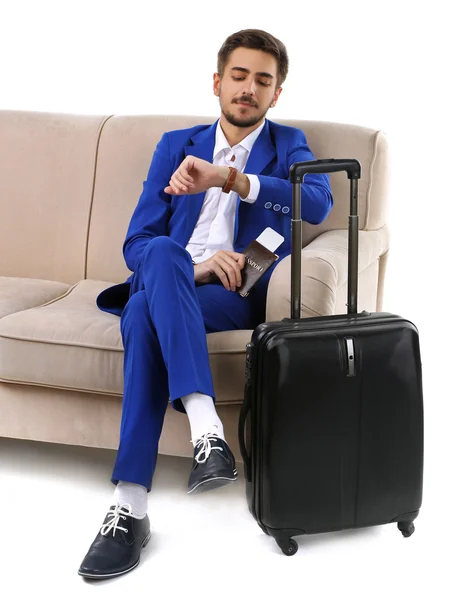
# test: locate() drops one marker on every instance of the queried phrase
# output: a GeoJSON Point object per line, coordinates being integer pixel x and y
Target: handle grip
{"type": "Point", "coordinates": [244, 414]}
{"type": "Point", "coordinates": [242, 420]}
{"type": "Point", "coordinates": [327, 165]}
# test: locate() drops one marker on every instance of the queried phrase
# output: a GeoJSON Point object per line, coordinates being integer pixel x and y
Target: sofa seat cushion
{"type": "Point", "coordinates": [17, 293]}
{"type": "Point", "coordinates": [71, 344]}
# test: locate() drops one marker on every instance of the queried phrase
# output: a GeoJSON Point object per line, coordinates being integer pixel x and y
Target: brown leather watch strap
{"type": "Point", "coordinates": [230, 180]}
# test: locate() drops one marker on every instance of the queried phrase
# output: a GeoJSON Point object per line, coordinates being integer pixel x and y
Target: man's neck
{"type": "Point", "coordinates": [234, 135]}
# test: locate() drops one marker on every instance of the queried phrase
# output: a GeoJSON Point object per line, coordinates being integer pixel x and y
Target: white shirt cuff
{"type": "Point", "coordinates": [254, 189]}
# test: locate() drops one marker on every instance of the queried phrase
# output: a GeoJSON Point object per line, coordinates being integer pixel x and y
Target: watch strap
{"type": "Point", "coordinates": [230, 180]}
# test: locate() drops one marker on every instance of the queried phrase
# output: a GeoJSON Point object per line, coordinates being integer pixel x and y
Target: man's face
{"type": "Point", "coordinates": [248, 86]}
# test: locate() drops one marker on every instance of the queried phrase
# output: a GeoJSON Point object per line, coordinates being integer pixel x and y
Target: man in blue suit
{"type": "Point", "coordinates": [210, 191]}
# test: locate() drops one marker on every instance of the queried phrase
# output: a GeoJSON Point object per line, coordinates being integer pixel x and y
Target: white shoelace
{"type": "Point", "coordinates": [205, 443]}
{"type": "Point", "coordinates": [116, 515]}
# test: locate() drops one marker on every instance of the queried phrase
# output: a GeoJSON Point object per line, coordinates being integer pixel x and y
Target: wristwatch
{"type": "Point", "coordinates": [230, 180]}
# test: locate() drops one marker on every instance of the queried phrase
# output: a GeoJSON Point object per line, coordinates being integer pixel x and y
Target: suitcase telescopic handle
{"type": "Point", "coordinates": [297, 172]}
{"type": "Point", "coordinates": [327, 165]}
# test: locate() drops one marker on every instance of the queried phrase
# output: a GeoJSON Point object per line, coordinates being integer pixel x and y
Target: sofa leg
{"type": "Point", "coordinates": [381, 281]}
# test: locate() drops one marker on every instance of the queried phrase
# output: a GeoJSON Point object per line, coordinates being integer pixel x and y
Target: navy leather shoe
{"type": "Point", "coordinates": [116, 549]}
{"type": "Point", "coordinates": [213, 463]}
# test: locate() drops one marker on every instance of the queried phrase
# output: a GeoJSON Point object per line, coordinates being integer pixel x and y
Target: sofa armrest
{"type": "Point", "coordinates": [324, 271]}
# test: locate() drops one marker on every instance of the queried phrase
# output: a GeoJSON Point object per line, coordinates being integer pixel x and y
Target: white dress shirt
{"type": "Point", "coordinates": [215, 226]}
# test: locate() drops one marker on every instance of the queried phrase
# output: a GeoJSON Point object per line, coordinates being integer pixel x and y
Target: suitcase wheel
{"type": "Point", "coordinates": [406, 527]}
{"type": "Point", "coordinates": [289, 547]}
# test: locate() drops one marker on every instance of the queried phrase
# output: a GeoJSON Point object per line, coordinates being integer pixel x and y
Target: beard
{"type": "Point", "coordinates": [242, 121]}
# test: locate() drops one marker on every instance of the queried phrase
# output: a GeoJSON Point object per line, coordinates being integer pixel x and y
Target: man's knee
{"type": "Point", "coordinates": [163, 246]}
{"type": "Point", "coordinates": [135, 309]}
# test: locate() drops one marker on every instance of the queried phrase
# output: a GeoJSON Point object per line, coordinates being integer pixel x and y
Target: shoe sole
{"type": "Point", "coordinates": [109, 575]}
{"type": "Point", "coordinates": [212, 484]}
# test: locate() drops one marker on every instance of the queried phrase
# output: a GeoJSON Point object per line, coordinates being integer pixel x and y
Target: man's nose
{"type": "Point", "coordinates": [250, 87]}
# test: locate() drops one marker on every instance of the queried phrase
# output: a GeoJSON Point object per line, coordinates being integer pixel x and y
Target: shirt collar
{"type": "Point", "coordinates": [221, 143]}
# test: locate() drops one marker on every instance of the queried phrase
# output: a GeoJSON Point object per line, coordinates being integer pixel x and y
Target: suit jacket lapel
{"type": "Point", "coordinates": [261, 153]}
{"type": "Point", "coordinates": [203, 144]}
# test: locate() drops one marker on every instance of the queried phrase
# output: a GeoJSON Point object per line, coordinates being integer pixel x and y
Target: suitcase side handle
{"type": "Point", "coordinates": [242, 420]}
{"type": "Point", "coordinates": [326, 165]}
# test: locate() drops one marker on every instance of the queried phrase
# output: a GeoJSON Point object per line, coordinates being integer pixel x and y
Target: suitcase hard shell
{"type": "Point", "coordinates": [333, 410]}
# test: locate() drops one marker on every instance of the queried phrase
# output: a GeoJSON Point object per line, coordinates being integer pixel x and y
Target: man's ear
{"type": "Point", "coordinates": [276, 97]}
{"type": "Point", "coordinates": [216, 84]}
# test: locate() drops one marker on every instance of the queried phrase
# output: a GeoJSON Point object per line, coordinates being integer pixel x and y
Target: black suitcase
{"type": "Point", "coordinates": [333, 408]}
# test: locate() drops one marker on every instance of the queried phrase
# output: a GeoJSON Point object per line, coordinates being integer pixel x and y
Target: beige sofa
{"type": "Point", "coordinates": [68, 187]}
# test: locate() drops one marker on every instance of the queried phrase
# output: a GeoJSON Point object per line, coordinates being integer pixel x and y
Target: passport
{"type": "Point", "coordinates": [258, 259]}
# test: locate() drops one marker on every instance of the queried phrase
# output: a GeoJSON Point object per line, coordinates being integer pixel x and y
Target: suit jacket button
{"type": "Point", "coordinates": [277, 207]}
{"type": "Point", "coordinates": [285, 209]}
{"type": "Point", "coordinates": [268, 205]}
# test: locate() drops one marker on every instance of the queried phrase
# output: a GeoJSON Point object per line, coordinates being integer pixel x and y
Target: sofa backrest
{"type": "Point", "coordinates": [124, 156]}
{"type": "Point", "coordinates": [70, 183]}
{"type": "Point", "coordinates": [47, 167]}
{"type": "Point", "coordinates": [126, 147]}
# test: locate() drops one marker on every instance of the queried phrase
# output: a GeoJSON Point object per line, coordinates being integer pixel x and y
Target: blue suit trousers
{"type": "Point", "coordinates": [163, 327]}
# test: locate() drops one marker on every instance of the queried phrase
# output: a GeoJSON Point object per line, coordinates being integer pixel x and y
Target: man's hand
{"type": "Point", "coordinates": [195, 175]}
{"type": "Point", "coordinates": [223, 265]}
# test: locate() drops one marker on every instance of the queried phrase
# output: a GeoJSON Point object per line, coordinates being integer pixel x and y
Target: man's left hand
{"type": "Point", "coordinates": [195, 175]}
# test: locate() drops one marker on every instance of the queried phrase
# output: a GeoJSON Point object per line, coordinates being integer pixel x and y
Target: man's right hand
{"type": "Point", "coordinates": [225, 266]}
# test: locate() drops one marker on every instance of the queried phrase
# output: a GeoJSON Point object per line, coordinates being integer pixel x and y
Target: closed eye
{"type": "Point", "coordinates": [242, 78]}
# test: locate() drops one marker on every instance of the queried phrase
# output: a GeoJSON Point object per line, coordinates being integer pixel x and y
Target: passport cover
{"type": "Point", "coordinates": [257, 260]}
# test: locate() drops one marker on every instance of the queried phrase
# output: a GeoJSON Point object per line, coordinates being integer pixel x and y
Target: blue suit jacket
{"type": "Point", "coordinates": [158, 213]}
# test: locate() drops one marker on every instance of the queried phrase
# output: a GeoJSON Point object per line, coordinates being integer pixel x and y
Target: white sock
{"type": "Point", "coordinates": [134, 494]}
{"type": "Point", "coordinates": [202, 415]}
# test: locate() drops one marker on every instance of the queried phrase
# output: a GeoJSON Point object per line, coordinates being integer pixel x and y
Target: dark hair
{"type": "Point", "coordinates": [255, 39]}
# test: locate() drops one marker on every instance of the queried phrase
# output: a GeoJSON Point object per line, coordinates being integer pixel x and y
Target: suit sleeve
{"type": "Point", "coordinates": [316, 194]}
{"type": "Point", "coordinates": [152, 213]}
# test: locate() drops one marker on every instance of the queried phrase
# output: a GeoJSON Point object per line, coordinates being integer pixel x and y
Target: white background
{"type": "Point", "coordinates": [379, 64]}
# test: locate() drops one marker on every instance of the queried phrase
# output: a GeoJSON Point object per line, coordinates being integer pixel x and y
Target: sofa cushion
{"type": "Point", "coordinates": [71, 344]}
{"type": "Point", "coordinates": [17, 293]}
